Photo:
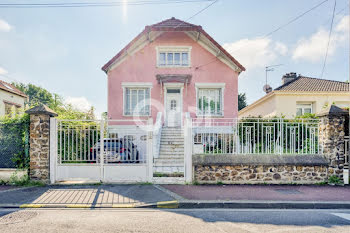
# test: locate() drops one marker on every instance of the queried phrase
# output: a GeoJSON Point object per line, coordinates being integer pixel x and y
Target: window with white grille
{"type": "Point", "coordinates": [209, 102]}
{"type": "Point", "coordinates": [137, 102]}
{"type": "Point", "coordinates": [304, 109]}
{"type": "Point", "coordinates": [173, 56]}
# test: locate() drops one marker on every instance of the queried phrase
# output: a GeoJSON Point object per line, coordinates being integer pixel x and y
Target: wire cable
{"type": "Point", "coordinates": [97, 4]}
{"type": "Point", "coordinates": [275, 30]}
{"type": "Point", "coordinates": [329, 39]}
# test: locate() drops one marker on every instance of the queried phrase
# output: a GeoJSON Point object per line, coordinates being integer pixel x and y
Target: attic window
{"type": "Point", "coordinates": [173, 56]}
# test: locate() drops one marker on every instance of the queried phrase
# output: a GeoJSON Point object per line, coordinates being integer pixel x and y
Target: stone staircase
{"type": "Point", "coordinates": [171, 154]}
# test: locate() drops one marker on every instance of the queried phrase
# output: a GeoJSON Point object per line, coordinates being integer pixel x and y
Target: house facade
{"type": "Point", "coordinates": [12, 100]}
{"type": "Point", "coordinates": [172, 67]}
{"type": "Point", "coordinates": [299, 95]}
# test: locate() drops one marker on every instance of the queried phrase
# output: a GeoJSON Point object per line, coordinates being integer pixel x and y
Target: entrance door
{"type": "Point", "coordinates": [173, 107]}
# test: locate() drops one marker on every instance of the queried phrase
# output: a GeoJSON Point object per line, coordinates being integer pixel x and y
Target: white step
{"type": "Point", "coordinates": [168, 147]}
{"type": "Point", "coordinates": [170, 157]}
{"type": "Point", "coordinates": [168, 170]}
{"type": "Point", "coordinates": [169, 162]}
{"type": "Point", "coordinates": [171, 133]}
{"type": "Point", "coordinates": [171, 146]}
{"type": "Point", "coordinates": [168, 137]}
{"type": "Point", "coordinates": [172, 138]}
{"type": "Point", "coordinates": [169, 152]}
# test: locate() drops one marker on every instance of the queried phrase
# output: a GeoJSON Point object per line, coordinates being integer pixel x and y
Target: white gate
{"type": "Point", "coordinates": [98, 150]}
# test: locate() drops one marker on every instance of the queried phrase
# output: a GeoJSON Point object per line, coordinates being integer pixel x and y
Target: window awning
{"type": "Point", "coordinates": [169, 78]}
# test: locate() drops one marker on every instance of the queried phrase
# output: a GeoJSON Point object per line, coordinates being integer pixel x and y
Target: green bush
{"type": "Point", "coordinates": [23, 181]}
{"type": "Point", "coordinates": [334, 180]}
{"type": "Point", "coordinates": [14, 141]}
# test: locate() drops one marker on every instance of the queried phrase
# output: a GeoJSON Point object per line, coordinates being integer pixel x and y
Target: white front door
{"type": "Point", "coordinates": [173, 108]}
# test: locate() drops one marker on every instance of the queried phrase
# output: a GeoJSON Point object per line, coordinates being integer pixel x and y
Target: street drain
{"type": "Point", "coordinates": [288, 191]}
{"type": "Point", "coordinates": [16, 217]}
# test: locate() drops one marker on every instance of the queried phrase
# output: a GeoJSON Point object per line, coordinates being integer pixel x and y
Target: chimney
{"type": "Point", "coordinates": [288, 77]}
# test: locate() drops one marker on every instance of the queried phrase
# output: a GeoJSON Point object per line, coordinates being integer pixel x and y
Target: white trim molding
{"type": "Point", "coordinates": [137, 84]}
{"type": "Point", "coordinates": [213, 49]}
{"type": "Point", "coordinates": [210, 85]}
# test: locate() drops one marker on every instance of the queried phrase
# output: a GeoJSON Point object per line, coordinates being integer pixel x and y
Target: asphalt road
{"type": "Point", "coordinates": [194, 220]}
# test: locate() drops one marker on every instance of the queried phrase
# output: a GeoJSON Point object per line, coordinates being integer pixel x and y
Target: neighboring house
{"type": "Point", "coordinates": [299, 95]}
{"type": "Point", "coordinates": [172, 67]}
{"type": "Point", "coordinates": [12, 100]}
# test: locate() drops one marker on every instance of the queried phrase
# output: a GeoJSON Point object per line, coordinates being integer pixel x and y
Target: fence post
{"type": "Point", "coordinates": [188, 140]}
{"type": "Point", "coordinates": [331, 138]}
{"type": "Point", "coordinates": [149, 155]}
{"type": "Point", "coordinates": [39, 148]}
{"type": "Point", "coordinates": [53, 149]}
{"type": "Point", "coordinates": [102, 131]}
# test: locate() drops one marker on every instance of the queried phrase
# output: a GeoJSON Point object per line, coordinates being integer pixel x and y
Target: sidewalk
{"type": "Point", "coordinates": [178, 196]}
{"type": "Point", "coordinates": [85, 196]}
{"type": "Point", "coordinates": [260, 196]}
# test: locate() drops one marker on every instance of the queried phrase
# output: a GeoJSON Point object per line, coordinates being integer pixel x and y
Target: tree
{"type": "Point", "coordinates": [38, 95]}
{"type": "Point", "coordinates": [242, 101]}
{"type": "Point", "coordinates": [54, 101]}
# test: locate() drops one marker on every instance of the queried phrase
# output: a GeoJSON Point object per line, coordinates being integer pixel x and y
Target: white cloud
{"type": "Point", "coordinates": [313, 48]}
{"type": "Point", "coordinates": [343, 25]}
{"type": "Point", "coordinates": [3, 71]}
{"type": "Point", "coordinates": [79, 103]}
{"type": "Point", "coordinates": [4, 26]}
{"type": "Point", "coordinates": [254, 53]}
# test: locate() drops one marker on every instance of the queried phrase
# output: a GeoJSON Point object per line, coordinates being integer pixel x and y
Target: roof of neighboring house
{"type": "Point", "coordinates": [169, 25]}
{"type": "Point", "coordinates": [11, 88]}
{"type": "Point", "coordinates": [302, 83]}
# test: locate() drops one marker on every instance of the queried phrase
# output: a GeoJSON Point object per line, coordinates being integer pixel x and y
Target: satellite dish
{"type": "Point", "coordinates": [267, 88]}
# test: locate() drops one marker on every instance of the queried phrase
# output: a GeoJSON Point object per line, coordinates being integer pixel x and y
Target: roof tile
{"type": "Point", "coordinates": [11, 88]}
{"type": "Point", "coordinates": [302, 83]}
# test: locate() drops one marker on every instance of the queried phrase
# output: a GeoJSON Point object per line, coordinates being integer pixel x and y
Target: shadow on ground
{"type": "Point", "coordinates": [85, 194]}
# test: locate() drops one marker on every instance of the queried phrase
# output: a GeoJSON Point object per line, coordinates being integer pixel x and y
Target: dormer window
{"type": "Point", "coordinates": [173, 56]}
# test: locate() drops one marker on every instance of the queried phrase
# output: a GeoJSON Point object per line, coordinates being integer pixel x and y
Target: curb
{"type": "Point", "coordinates": [161, 204]}
{"type": "Point", "coordinates": [197, 205]}
{"type": "Point", "coordinates": [263, 205]}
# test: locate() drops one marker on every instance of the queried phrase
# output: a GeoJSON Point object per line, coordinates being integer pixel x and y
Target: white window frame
{"type": "Point", "coordinates": [174, 49]}
{"type": "Point", "coordinates": [137, 85]}
{"type": "Point", "coordinates": [210, 86]}
{"type": "Point", "coordinates": [303, 107]}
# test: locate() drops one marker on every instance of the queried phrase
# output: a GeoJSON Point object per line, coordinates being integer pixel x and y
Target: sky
{"type": "Point", "coordinates": [63, 49]}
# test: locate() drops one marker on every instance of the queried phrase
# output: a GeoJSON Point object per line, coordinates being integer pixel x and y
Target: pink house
{"type": "Point", "coordinates": [172, 67]}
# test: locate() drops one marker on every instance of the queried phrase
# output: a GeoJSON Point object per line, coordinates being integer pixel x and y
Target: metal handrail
{"type": "Point", "coordinates": [157, 132]}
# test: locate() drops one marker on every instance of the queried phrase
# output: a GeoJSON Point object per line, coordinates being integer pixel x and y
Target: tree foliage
{"type": "Point", "coordinates": [242, 101]}
{"type": "Point", "coordinates": [38, 95]}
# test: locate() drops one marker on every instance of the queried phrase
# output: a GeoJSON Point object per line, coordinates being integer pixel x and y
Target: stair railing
{"type": "Point", "coordinates": [157, 133]}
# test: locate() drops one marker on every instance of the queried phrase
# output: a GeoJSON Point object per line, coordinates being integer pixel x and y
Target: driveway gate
{"type": "Point", "coordinates": [77, 151]}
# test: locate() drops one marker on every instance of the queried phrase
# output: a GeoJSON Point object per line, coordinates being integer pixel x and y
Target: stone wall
{"type": "Point", "coordinates": [257, 169]}
{"type": "Point", "coordinates": [257, 174]}
{"type": "Point", "coordinates": [39, 147]}
{"type": "Point", "coordinates": [331, 137]}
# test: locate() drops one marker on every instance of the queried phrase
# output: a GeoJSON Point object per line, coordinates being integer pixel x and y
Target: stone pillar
{"type": "Point", "coordinates": [39, 143]}
{"type": "Point", "coordinates": [331, 138]}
